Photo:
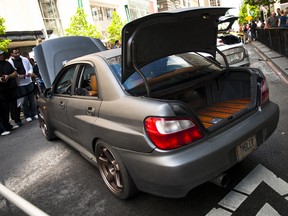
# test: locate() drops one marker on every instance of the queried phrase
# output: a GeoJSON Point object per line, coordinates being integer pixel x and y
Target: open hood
{"type": "Point", "coordinates": [52, 54]}
{"type": "Point", "coordinates": [161, 34]}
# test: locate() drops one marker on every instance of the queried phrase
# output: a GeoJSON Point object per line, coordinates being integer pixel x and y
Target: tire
{"type": "Point", "coordinates": [46, 130]}
{"type": "Point", "coordinates": [113, 172]}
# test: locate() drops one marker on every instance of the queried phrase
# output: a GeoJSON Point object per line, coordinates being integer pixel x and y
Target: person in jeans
{"type": "Point", "coordinates": [8, 92]}
{"type": "Point", "coordinates": [253, 27]}
{"type": "Point", "coordinates": [25, 84]}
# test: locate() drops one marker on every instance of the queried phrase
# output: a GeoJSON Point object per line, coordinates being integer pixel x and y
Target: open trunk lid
{"type": "Point", "coordinates": [162, 34]}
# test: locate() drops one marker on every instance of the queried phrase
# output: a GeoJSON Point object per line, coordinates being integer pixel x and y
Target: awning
{"type": "Point", "coordinates": [25, 38]}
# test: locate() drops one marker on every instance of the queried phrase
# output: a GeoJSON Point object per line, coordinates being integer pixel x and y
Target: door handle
{"type": "Point", "coordinates": [91, 111]}
{"type": "Point", "coordinates": [62, 105]}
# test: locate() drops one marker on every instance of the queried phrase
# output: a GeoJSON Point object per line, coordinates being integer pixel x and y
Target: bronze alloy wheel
{"type": "Point", "coordinates": [46, 130]}
{"type": "Point", "coordinates": [109, 169]}
{"type": "Point", "coordinates": [114, 172]}
{"type": "Point", "coordinates": [43, 125]}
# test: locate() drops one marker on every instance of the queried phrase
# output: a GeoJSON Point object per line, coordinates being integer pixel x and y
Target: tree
{"type": "Point", "coordinates": [80, 27]}
{"type": "Point", "coordinates": [114, 30]}
{"type": "Point", "coordinates": [260, 2]}
{"type": "Point", "coordinates": [243, 14]}
{"type": "Point", "coordinates": [247, 13]}
{"type": "Point", "coordinates": [3, 42]}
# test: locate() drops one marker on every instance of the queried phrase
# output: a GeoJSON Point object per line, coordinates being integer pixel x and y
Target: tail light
{"type": "Point", "coordinates": [264, 91]}
{"type": "Point", "coordinates": [219, 42]}
{"type": "Point", "coordinates": [171, 133]}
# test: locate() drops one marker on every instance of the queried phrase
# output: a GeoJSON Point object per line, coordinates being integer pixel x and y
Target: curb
{"type": "Point", "coordinates": [274, 59]}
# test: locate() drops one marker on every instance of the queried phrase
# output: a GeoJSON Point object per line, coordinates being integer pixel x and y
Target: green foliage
{"type": "Point", "coordinates": [254, 11]}
{"type": "Point", "coordinates": [114, 30]}
{"type": "Point", "coordinates": [3, 42]}
{"type": "Point", "coordinates": [243, 14]}
{"type": "Point", "coordinates": [259, 2]}
{"type": "Point", "coordinates": [80, 27]}
{"type": "Point", "coordinates": [246, 11]}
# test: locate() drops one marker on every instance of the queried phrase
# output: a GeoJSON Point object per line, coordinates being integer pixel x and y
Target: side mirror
{"type": "Point", "coordinates": [47, 93]}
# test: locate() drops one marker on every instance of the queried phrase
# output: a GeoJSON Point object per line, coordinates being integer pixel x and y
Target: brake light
{"type": "Point", "coordinates": [171, 133]}
{"type": "Point", "coordinates": [264, 91]}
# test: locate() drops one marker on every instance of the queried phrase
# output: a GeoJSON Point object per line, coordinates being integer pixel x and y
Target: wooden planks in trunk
{"type": "Point", "coordinates": [215, 113]}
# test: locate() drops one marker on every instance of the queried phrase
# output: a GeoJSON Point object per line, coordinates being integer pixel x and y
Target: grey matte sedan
{"type": "Point", "coordinates": [156, 115]}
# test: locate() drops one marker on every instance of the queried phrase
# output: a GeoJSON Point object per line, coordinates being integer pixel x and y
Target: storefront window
{"type": "Point", "coordinates": [102, 13]}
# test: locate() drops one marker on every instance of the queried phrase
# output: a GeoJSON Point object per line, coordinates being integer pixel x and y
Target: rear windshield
{"type": "Point", "coordinates": [166, 72]}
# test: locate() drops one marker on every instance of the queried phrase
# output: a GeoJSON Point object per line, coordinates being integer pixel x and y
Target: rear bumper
{"type": "Point", "coordinates": [175, 173]}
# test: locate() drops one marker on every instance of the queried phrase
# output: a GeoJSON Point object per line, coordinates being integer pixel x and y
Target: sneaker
{"type": "Point", "coordinates": [28, 119]}
{"type": "Point", "coordinates": [15, 127]}
{"type": "Point", "coordinates": [5, 133]}
{"type": "Point", "coordinates": [36, 117]}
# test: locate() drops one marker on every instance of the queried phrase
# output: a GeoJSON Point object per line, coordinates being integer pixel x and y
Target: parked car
{"type": "Point", "coordinates": [231, 45]}
{"type": "Point", "coordinates": [156, 115]}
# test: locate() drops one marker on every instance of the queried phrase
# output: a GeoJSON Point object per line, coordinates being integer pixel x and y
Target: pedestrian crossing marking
{"type": "Point", "coordinates": [240, 193]}
{"type": "Point", "coordinates": [267, 210]}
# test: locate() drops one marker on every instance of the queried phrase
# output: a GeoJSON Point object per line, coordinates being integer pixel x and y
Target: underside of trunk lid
{"type": "Point", "coordinates": [162, 34]}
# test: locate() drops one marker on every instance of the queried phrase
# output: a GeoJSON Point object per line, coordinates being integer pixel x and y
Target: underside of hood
{"type": "Point", "coordinates": [52, 54]}
{"type": "Point", "coordinates": [162, 34]}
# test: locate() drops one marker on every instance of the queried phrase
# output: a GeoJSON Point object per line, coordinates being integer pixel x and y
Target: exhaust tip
{"type": "Point", "coordinates": [221, 180]}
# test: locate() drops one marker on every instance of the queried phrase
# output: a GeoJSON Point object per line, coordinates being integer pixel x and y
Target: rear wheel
{"type": "Point", "coordinates": [46, 130]}
{"type": "Point", "coordinates": [113, 172]}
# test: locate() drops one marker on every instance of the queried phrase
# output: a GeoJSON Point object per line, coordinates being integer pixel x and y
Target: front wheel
{"type": "Point", "coordinates": [46, 130]}
{"type": "Point", "coordinates": [113, 172]}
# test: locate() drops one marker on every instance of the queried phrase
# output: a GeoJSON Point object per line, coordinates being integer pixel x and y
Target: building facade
{"type": "Point", "coordinates": [28, 21]}
{"type": "Point", "coordinates": [164, 5]}
{"type": "Point", "coordinates": [214, 3]}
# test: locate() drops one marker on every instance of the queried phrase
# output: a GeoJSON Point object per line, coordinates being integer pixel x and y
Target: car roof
{"type": "Point", "coordinates": [107, 54]}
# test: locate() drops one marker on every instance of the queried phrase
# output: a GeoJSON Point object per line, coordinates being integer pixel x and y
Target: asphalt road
{"type": "Point", "coordinates": [58, 180]}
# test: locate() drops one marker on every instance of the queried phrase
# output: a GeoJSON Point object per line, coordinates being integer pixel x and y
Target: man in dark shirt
{"type": "Point", "coordinates": [25, 84]}
{"type": "Point", "coordinates": [8, 92]}
{"type": "Point", "coordinates": [253, 27]}
{"type": "Point", "coordinates": [272, 21]}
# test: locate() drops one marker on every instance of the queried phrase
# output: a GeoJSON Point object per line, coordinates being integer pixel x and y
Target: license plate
{"type": "Point", "coordinates": [246, 148]}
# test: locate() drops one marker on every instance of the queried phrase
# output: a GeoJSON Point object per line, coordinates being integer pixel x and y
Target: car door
{"type": "Point", "coordinates": [58, 103]}
{"type": "Point", "coordinates": [84, 105]}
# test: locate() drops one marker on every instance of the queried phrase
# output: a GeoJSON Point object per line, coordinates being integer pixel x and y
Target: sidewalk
{"type": "Point", "coordinates": [278, 60]}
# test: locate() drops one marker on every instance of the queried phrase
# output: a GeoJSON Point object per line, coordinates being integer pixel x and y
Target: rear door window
{"type": "Point", "coordinates": [86, 83]}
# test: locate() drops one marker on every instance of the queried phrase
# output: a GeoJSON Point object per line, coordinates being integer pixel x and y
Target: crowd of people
{"type": "Point", "coordinates": [278, 19]}
{"type": "Point", "coordinates": [17, 90]}
{"type": "Point", "coordinates": [116, 44]}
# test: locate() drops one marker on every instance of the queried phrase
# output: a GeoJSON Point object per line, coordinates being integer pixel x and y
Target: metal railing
{"type": "Point", "coordinates": [21, 203]}
{"type": "Point", "coordinates": [274, 38]}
